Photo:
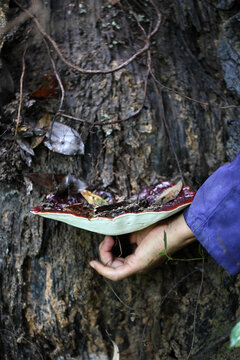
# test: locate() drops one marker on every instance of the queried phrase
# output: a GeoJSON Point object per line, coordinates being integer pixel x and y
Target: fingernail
{"type": "Point", "coordinates": [92, 264]}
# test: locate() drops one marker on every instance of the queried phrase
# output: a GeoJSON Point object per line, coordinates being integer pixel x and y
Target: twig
{"type": "Point", "coordinates": [21, 90]}
{"type": "Point", "coordinates": [177, 93]}
{"type": "Point", "coordinates": [75, 118]}
{"type": "Point", "coordinates": [159, 19]}
{"type": "Point", "coordinates": [119, 245]}
{"type": "Point", "coordinates": [191, 99]}
{"type": "Point", "coordinates": [131, 116]}
{"type": "Point", "coordinates": [94, 71]}
{"type": "Point", "coordinates": [161, 303]}
{"type": "Point", "coordinates": [137, 20]}
{"type": "Point", "coordinates": [215, 343]}
{"type": "Point", "coordinates": [29, 12]}
{"type": "Point", "coordinates": [20, 96]}
{"type": "Point", "coordinates": [57, 77]}
{"type": "Point", "coordinates": [127, 62]}
{"type": "Point", "coordinates": [23, 338]}
{"type": "Point", "coordinates": [35, 8]}
{"type": "Point", "coordinates": [1, 135]}
{"type": "Point", "coordinates": [230, 107]}
{"type": "Point", "coordinates": [195, 311]}
{"type": "Point", "coordinates": [121, 301]}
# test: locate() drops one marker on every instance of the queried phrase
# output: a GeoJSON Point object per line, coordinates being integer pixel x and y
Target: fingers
{"type": "Point", "coordinates": [105, 250]}
{"type": "Point", "coordinates": [114, 268]}
{"type": "Point", "coordinates": [149, 244]}
{"type": "Point", "coordinates": [115, 274]}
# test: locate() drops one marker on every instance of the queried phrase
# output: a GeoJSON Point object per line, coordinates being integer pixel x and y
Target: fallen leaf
{"type": "Point", "coordinates": [29, 185]}
{"type": "Point", "coordinates": [63, 139]}
{"type": "Point", "coordinates": [25, 131]}
{"type": "Point", "coordinates": [26, 157]}
{"type": "Point", "coordinates": [93, 199]}
{"type": "Point", "coordinates": [25, 151]}
{"type": "Point", "coordinates": [48, 89]}
{"type": "Point", "coordinates": [169, 194]}
{"type": "Point", "coordinates": [42, 124]}
{"type": "Point", "coordinates": [116, 355]}
{"type": "Point", "coordinates": [24, 145]}
{"type": "Point", "coordinates": [48, 181]}
{"type": "Point", "coordinates": [40, 130]}
{"type": "Point", "coordinates": [235, 336]}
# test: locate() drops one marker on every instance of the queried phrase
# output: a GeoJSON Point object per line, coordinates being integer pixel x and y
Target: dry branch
{"type": "Point", "coordinates": [93, 71]}
{"type": "Point", "coordinates": [57, 77]}
{"type": "Point", "coordinates": [21, 91]}
{"type": "Point", "coordinates": [131, 116]}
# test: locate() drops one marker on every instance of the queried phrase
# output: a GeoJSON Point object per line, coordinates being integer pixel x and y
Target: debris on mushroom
{"type": "Point", "coordinates": [169, 194]}
{"type": "Point", "coordinates": [71, 191]}
{"type": "Point", "coordinates": [99, 212]}
{"type": "Point", "coordinates": [93, 199]}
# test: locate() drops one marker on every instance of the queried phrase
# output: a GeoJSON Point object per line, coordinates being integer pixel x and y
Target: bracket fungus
{"type": "Point", "coordinates": [100, 212]}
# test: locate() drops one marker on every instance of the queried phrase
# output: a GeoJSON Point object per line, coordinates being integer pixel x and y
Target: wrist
{"type": "Point", "coordinates": [178, 233]}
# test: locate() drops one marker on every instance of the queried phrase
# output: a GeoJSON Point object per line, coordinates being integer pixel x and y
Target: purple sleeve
{"type": "Point", "coordinates": [214, 216]}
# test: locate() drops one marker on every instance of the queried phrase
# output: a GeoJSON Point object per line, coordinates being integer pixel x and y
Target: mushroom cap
{"type": "Point", "coordinates": [123, 223]}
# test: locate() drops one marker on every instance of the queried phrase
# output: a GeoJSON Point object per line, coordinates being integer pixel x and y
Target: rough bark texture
{"type": "Point", "coordinates": [53, 305]}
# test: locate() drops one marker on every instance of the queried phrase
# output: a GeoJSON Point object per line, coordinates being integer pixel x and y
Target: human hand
{"type": "Point", "coordinates": [150, 246]}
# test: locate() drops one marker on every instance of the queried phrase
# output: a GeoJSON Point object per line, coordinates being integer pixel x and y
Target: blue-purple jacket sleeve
{"type": "Point", "coordinates": [214, 216]}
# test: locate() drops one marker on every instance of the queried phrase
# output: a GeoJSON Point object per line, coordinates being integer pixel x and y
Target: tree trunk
{"type": "Point", "coordinates": [53, 305]}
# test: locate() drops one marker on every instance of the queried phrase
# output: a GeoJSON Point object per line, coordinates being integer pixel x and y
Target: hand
{"type": "Point", "coordinates": [150, 244]}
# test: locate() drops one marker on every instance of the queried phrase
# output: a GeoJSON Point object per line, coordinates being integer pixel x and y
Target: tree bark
{"type": "Point", "coordinates": [53, 305]}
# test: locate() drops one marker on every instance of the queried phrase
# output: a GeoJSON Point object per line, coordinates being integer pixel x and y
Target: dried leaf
{"type": "Point", "coordinates": [116, 355]}
{"type": "Point", "coordinates": [41, 129]}
{"type": "Point", "coordinates": [93, 199]}
{"type": "Point", "coordinates": [169, 194]}
{"type": "Point", "coordinates": [29, 185]}
{"type": "Point", "coordinates": [25, 131]}
{"type": "Point", "coordinates": [63, 139]}
{"type": "Point", "coordinates": [26, 157]}
{"type": "Point", "coordinates": [37, 141]}
{"type": "Point", "coordinates": [25, 151]}
{"type": "Point", "coordinates": [24, 145]}
{"type": "Point", "coordinates": [235, 336]}
{"type": "Point", "coordinates": [48, 181]}
{"type": "Point", "coordinates": [42, 124]}
{"type": "Point", "coordinates": [48, 89]}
